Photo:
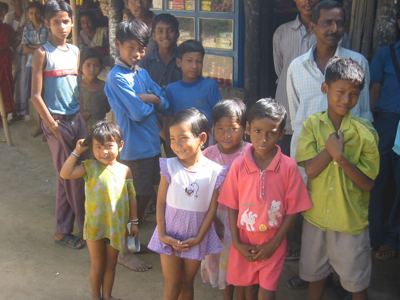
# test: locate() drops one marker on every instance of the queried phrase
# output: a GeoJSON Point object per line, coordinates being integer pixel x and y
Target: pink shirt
{"type": "Point", "coordinates": [263, 198]}
{"type": "Point", "coordinates": [213, 153]}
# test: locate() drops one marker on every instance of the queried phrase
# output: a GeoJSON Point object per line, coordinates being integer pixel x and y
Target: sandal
{"type": "Point", "coordinates": [71, 241]}
{"type": "Point", "coordinates": [296, 283]}
{"type": "Point", "coordinates": [385, 252]}
{"type": "Point", "coordinates": [292, 254]}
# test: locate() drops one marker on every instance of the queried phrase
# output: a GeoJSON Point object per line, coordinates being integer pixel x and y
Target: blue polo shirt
{"type": "Point", "coordinates": [383, 71]}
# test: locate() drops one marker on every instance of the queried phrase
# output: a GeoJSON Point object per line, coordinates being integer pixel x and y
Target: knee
{"type": "Point", "coordinates": [187, 284]}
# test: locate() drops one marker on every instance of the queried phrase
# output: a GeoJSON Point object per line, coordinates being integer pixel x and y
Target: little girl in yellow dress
{"type": "Point", "coordinates": [110, 203]}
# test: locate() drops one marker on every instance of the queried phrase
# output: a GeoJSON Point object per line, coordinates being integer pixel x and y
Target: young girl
{"type": "Point", "coordinates": [228, 127]}
{"type": "Point", "coordinates": [110, 203]}
{"type": "Point", "coordinates": [263, 192]}
{"type": "Point", "coordinates": [92, 36]}
{"type": "Point", "coordinates": [94, 103]}
{"type": "Point", "coordinates": [186, 205]}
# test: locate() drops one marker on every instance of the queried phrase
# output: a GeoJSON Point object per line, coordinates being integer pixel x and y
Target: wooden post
{"type": "Point", "coordinates": [75, 23]}
{"type": "Point", "coordinates": [4, 121]}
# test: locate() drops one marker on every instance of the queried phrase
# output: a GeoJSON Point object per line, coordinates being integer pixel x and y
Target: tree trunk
{"type": "Point", "coordinates": [114, 17]}
{"type": "Point", "coordinates": [385, 31]}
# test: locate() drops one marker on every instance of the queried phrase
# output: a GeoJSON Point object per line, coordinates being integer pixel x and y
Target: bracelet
{"type": "Point", "coordinates": [134, 221]}
{"type": "Point", "coordinates": [74, 154]}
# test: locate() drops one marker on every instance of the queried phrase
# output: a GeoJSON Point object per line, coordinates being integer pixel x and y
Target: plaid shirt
{"type": "Point", "coordinates": [31, 36]}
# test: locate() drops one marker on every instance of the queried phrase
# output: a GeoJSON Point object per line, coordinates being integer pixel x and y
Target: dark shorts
{"type": "Point", "coordinates": [146, 174]}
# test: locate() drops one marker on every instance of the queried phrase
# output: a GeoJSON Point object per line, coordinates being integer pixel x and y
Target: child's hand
{"type": "Point", "coordinates": [264, 251]}
{"type": "Point", "coordinates": [55, 130]}
{"type": "Point", "coordinates": [187, 244]}
{"type": "Point", "coordinates": [248, 251]}
{"type": "Point", "coordinates": [174, 243]}
{"type": "Point", "coordinates": [150, 98]}
{"type": "Point", "coordinates": [334, 145]}
{"type": "Point", "coordinates": [80, 147]}
{"type": "Point", "coordinates": [134, 229]}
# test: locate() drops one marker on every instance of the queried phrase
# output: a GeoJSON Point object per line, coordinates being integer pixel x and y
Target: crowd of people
{"type": "Point", "coordinates": [238, 190]}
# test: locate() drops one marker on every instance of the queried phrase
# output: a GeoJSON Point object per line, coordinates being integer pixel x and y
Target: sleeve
{"type": "Point", "coordinates": [87, 165]}
{"type": "Point", "coordinates": [369, 158]}
{"type": "Point", "coordinates": [229, 194]}
{"type": "Point", "coordinates": [155, 89]}
{"type": "Point", "coordinates": [364, 103]}
{"type": "Point", "coordinates": [169, 94]}
{"type": "Point", "coordinates": [378, 65]}
{"type": "Point", "coordinates": [214, 95]}
{"type": "Point", "coordinates": [221, 177]}
{"type": "Point", "coordinates": [130, 188]}
{"type": "Point", "coordinates": [164, 169]}
{"type": "Point", "coordinates": [297, 198]}
{"type": "Point", "coordinates": [293, 98]}
{"type": "Point", "coordinates": [25, 40]}
{"type": "Point", "coordinates": [307, 144]}
{"type": "Point", "coordinates": [124, 100]}
{"type": "Point", "coordinates": [277, 53]}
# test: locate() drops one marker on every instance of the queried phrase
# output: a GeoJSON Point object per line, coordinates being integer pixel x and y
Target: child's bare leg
{"type": "Point", "coordinates": [190, 268]}
{"type": "Point", "coordinates": [316, 289]}
{"type": "Point", "coordinates": [246, 292]}
{"type": "Point", "coordinates": [363, 295]}
{"type": "Point", "coordinates": [228, 292]}
{"type": "Point", "coordinates": [172, 269]}
{"type": "Point", "coordinates": [109, 272]}
{"type": "Point", "coordinates": [264, 294]}
{"type": "Point", "coordinates": [97, 253]}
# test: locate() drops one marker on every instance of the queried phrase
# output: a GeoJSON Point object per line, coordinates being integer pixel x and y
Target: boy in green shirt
{"type": "Point", "coordinates": [340, 155]}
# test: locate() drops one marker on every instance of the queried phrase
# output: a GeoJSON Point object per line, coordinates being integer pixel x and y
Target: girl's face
{"type": "Point", "coordinates": [106, 153]}
{"type": "Point", "coordinates": [60, 25]}
{"type": "Point", "coordinates": [184, 144]}
{"type": "Point", "coordinates": [228, 134]}
{"type": "Point", "coordinates": [34, 15]}
{"type": "Point", "coordinates": [139, 8]}
{"type": "Point", "coordinates": [91, 68]}
{"type": "Point", "coordinates": [86, 23]}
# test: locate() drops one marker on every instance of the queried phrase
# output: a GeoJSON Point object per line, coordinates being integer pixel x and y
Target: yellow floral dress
{"type": "Point", "coordinates": [107, 193]}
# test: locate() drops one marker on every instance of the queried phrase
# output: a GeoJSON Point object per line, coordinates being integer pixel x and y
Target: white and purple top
{"type": "Point", "coordinates": [188, 200]}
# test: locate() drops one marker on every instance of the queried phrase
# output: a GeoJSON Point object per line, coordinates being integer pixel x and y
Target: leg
{"type": "Point", "coordinates": [264, 294]}
{"type": "Point", "coordinates": [97, 253]}
{"type": "Point", "coordinates": [190, 268]}
{"type": "Point", "coordinates": [251, 292]}
{"type": "Point", "coordinates": [109, 272]}
{"type": "Point", "coordinates": [316, 289]}
{"type": "Point", "coordinates": [228, 292]}
{"type": "Point", "coordinates": [172, 269]}
{"type": "Point", "coordinates": [363, 295]}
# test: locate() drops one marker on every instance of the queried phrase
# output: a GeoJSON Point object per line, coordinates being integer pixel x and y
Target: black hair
{"type": "Point", "coordinates": [133, 30]}
{"type": "Point", "coordinates": [327, 5]}
{"type": "Point", "coordinates": [90, 16]}
{"type": "Point", "coordinates": [268, 108]}
{"type": "Point", "coordinates": [190, 46]}
{"type": "Point", "coordinates": [234, 108]}
{"type": "Point", "coordinates": [4, 7]}
{"type": "Point", "coordinates": [167, 19]}
{"type": "Point", "coordinates": [197, 120]}
{"type": "Point", "coordinates": [344, 69]}
{"type": "Point", "coordinates": [39, 7]}
{"type": "Point", "coordinates": [52, 7]}
{"type": "Point", "coordinates": [89, 53]}
{"type": "Point", "coordinates": [105, 131]}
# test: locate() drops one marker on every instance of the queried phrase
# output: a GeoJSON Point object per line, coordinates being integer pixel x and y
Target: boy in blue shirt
{"type": "Point", "coordinates": [135, 99]}
{"type": "Point", "coordinates": [193, 90]}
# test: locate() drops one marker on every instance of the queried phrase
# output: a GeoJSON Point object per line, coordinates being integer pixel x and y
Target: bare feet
{"type": "Point", "coordinates": [133, 262]}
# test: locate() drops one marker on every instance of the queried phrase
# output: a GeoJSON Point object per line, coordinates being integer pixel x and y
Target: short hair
{"type": "Point", "coordinates": [268, 108]}
{"type": "Point", "coordinates": [167, 19]}
{"type": "Point", "coordinates": [197, 120]}
{"type": "Point", "coordinates": [327, 5]}
{"type": "Point", "coordinates": [133, 30]}
{"type": "Point", "coordinates": [90, 16]}
{"type": "Point", "coordinates": [344, 69]}
{"type": "Point", "coordinates": [4, 7]}
{"type": "Point", "coordinates": [104, 131]}
{"type": "Point", "coordinates": [190, 46]}
{"type": "Point", "coordinates": [52, 7]}
{"type": "Point", "coordinates": [88, 53]}
{"type": "Point", "coordinates": [234, 108]}
{"type": "Point", "coordinates": [36, 5]}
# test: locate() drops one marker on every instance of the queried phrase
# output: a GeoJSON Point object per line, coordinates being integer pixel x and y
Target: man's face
{"type": "Point", "coordinates": [329, 28]}
{"type": "Point", "coordinates": [305, 6]}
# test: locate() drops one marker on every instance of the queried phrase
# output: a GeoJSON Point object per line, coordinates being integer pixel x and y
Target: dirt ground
{"type": "Point", "coordinates": [33, 267]}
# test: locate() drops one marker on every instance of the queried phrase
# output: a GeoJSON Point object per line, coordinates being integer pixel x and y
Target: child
{"type": "Point", "coordinates": [6, 78]}
{"type": "Point", "coordinates": [34, 35]}
{"type": "Point", "coordinates": [263, 192]}
{"type": "Point", "coordinates": [193, 90]}
{"type": "Point", "coordinates": [135, 98]}
{"type": "Point", "coordinates": [92, 36]}
{"type": "Point", "coordinates": [93, 101]}
{"type": "Point", "coordinates": [54, 72]}
{"type": "Point", "coordinates": [110, 203]}
{"type": "Point", "coordinates": [186, 206]}
{"type": "Point", "coordinates": [161, 61]}
{"type": "Point", "coordinates": [229, 121]}
{"type": "Point", "coordinates": [340, 156]}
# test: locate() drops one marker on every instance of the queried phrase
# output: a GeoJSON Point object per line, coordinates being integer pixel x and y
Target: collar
{"type": "Point", "coordinates": [251, 166]}
{"type": "Point", "coordinates": [296, 23]}
{"type": "Point", "coordinates": [343, 126]}
{"type": "Point", "coordinates": [310, 53]}
{"type": "Point", "coordinates": [120, 63]}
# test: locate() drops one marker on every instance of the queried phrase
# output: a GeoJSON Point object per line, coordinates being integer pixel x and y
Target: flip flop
{"type": "Point", "coordinates": [385, 252]}
{"type": "Point", "coordinates": [296, 283]}
{"type": "Point", "coordinates": [71, 241]}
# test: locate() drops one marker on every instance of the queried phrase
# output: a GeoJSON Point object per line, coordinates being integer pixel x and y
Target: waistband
{"type": "Point", "coordinates": [64, 117]}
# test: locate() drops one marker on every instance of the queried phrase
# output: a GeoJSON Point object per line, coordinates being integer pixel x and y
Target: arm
{"type": "Point", "coordinates": [293, 98]}
{"type": "Point", "coordinates": [214, 95]}
{"type": "Point", "coordinates": [277, 53]}
{"type": "Point", "coordinates": [375, 91]}
{"type": "Point", "coordinates": [71, 169]}
{"type": "Point", "coordinates": [29, 49]}
{"type": "Point", "coordinates": [316, 165]}
{"type": "Point", "coordinates": [39, 58]}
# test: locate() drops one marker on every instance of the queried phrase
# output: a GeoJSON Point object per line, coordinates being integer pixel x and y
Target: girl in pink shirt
{"type": "Point", "coordinates": [229, 120]}
{"type": "Point", "coordinates": [263, 192]}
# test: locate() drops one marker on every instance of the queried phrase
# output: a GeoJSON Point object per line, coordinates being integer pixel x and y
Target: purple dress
{"type": "Point", "coordinates": [188, 199]}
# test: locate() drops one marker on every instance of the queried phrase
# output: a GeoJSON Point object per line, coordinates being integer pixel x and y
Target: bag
{"type": "Point", "coordinates": [396, 147]}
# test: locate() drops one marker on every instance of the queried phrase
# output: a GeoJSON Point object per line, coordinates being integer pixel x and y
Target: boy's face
{"type": "Point", "coordinates": [342, 96]}
{"type": "Point", "coordinates": [131, 52]}
{"type": "Point", "coordinates": [305, 6]}
{"type": "Point", "coordinates": [91, 68]}
{"type": "Point", "coordinates": [165, 36]}
{"type": "Point", "coordinates": [34, 15]}
{"type": "Point", "coordinates": [329, 28]}
{"type": "Point", "coordinates": [264, 134]}
{"type": "Point", "coordinates": [191, 65]}
{"type": "Point", "coordinates": [60, 25]}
